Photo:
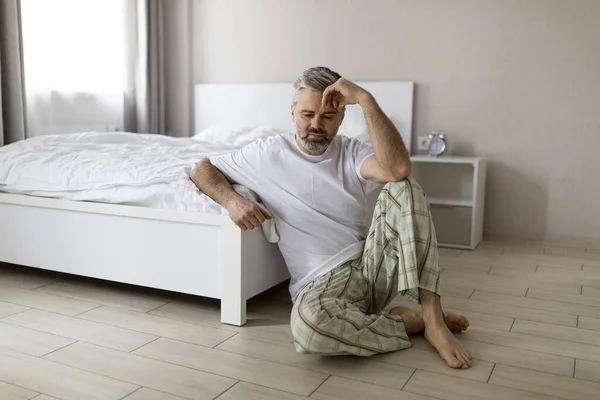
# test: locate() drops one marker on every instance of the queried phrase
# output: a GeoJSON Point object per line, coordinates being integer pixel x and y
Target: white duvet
{"type": "Point", "coordinates": [116, 167]}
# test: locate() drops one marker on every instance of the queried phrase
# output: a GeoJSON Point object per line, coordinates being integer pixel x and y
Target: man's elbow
{"type": "Point", "coordinates": [196, 172]}
{"type": "Point", "coordinates": [401, 172]}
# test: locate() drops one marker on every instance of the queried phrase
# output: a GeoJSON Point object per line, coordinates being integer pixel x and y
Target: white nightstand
{"type": "Point", "coordinates": [455, 187]}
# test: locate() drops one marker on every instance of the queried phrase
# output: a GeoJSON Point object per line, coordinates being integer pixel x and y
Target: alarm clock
{"type": "Point", "coordinates": [437, 144]}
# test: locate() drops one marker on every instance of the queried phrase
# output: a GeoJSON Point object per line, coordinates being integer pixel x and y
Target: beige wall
{"type": "Point", "coordinates": [515, 81]}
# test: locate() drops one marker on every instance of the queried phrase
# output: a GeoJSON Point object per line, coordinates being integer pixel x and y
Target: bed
{"type": "Point", "coordinates": [182, 242]}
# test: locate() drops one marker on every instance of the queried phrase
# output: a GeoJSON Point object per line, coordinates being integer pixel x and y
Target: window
{"type": "Point", "coordinates": [75, 45]}
{"type": "Point", "coordinates": [76, 64]}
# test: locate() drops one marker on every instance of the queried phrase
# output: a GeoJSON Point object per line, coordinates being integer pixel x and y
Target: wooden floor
{"type": "Point", "coordinates": [535, 333]}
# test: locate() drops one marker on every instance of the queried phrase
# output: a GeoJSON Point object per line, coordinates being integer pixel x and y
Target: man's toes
{"type": "Point", "coordinates": [453, 361]}
{"type": "Point", "coordinates": [465, 357]}
{"type": "Point", "coordinates": [463, 362]}
{"type": "Point", "coordinates": [465, 323]}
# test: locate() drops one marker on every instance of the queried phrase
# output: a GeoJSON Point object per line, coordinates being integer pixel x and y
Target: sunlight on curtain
{"type": "Point", "coordinates": [75, 61]}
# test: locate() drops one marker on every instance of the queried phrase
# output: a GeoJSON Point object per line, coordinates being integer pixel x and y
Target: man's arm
{"type": "Point", "coordinates": [210, 181]}
{"type": "Point", "coordinates": [391, 162]}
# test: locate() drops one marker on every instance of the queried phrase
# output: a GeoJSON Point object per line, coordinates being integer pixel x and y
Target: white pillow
{"type": "Point", "coordinates": [238, 136]}
{"type": "Point", "coordinates": [354, 124]}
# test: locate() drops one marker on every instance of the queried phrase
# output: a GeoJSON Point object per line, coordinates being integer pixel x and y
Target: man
{"type": "Point", "coordinates": [344, 271]}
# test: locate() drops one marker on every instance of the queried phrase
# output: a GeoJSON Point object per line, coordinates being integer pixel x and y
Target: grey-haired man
{"type": "Point", "coordinates": [345, 270]}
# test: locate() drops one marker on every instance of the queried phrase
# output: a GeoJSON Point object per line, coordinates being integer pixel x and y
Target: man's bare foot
{"type": "Point", "coordinates": [449, 347]}
{"type": "Point", "coordinates": [455, 322]}
{"type": "Point", "coordinates": [413, 320]}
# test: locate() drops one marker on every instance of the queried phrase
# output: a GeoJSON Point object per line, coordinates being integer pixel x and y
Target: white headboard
{"type": "Point", "coordinates": [268, 104]}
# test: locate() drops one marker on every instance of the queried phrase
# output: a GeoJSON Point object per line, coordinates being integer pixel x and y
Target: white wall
{"type": "Point", "coordinates": [514, 81]}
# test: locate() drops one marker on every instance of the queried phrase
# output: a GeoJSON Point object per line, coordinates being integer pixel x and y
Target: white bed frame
{"type": "Point", "coordinates": [193, 253]}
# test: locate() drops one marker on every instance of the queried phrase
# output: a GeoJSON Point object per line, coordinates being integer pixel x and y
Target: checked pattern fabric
{"type": "Point", "coordinates": [341, 313]}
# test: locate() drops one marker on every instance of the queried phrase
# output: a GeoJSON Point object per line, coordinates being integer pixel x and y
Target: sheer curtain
{"type": "Point", "coordinates": [75, 64]}
{"type": "Point", "coordinates": [100, 65]}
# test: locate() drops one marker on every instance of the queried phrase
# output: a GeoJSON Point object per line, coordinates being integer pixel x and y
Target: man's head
{"type": "Point", "coordinates": [316, 125]}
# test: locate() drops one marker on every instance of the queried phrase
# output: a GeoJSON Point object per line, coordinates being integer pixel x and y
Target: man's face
{"type": "Point", "coordinates": [316, 126]}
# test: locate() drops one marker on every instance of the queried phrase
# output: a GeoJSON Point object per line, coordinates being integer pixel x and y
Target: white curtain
{"type": "Point", "coordinates": [100, 65]}
{"type": "Point", "coordinates": [75, 64]}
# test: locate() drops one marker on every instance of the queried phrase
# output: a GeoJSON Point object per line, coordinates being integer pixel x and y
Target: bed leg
{"type": "Point", "coordinates": [233, 276]}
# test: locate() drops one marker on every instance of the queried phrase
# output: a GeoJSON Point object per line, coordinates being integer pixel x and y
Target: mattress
{"type": "Point", "coordinates": [116, 167]}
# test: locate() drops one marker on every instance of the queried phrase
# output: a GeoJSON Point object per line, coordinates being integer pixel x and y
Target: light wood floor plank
{"type": "Point", "coordinates": [565, 251]}
{"type": "Point", "coordinates": [248, 391]}
{"type": "Point", "coordinates": [367, 370]}
{"type": "Point", "coordinates": [576, 253]}
{"type": "Point", "coordinates": [486, 264]}
{"type": "Point", "coordinates": [591, 269]}
{"type": "Point", "coordinates": [511, 310]}
{"type": "Point", "coordinates": [550, 277]}
{"type": "Point", "coordinates": [431, 361]}
{"type": "Point", "coordinates": [43, 301]}
{"type": "Point", "coordinates": [341, 389]}
{"type": "Point", "coordinates": [151, 394]}
{"type": "Point", "coordinates": [30, 341]}
{"type": "Point", "coordinates": [587, 370]}
{"type": "Point", "coordinates": [549, 259]}
{"type": "Point", "coordinates": [80, 329]}
{"type": "Point", "coordinates": [573, 242]}
{"type": "Point", "coordinates": [460, 293]}
{"type": "Point", "coordinates": [541, 281]}
{"type": "Point", "coordinates": [60, 381]}
{"type": "Point", "coordinates": [458, 266]}
{"type": "Point", "coordinates": [447, 387]}
{"type": "Point", "coordinates": [446, 252]}
{"type": "Point", "coordinates": [512, 356]}
{"type": "Point", "coordinates": [259, 327]}
{"type": "Point", "coordinates": [509, 281]}
{"type": "Point", "coordinates": [155, 325]}
{"type": "Point", "coordinates": [7, 309]}
{"type": "Point", "coordinates": [483, 252]}
{"type": "Point", "coordinates": [484, 320]}
{"type": "Point", "coordinates": [105, 295]}
{"type": "Point", "coordinates": [157, 375]}
{"type": "Point", "coordinates": [559, 268]}
{"type": "Point", "coordinates": [22, 277]}
{"type": "Point", "coordinates": [510, 251]}
{"type": "Point", "coordinates": [589, 323]}
{"type": "Point", "coordinates": [249, 369]}
{"type": "Point", "coordinates": [545, 384]}
{"type": "Point", "coordinates": [584, 277]}
{"type": "Point", "coordinates": [531, 303]}
{"type": "Point", "coordinates": [564, 298]}
{"type": "Point", "coordinates": [12, 392]}
{"type": "Point", "coordinates": [557, 332]}
{"type": "Point", "coordinates": [590, 291]}
{"type": "Point", "coordinates": [475, 318]}
{"type": "Point", "coordinates": [534, 343]}
{"type": "Point", "coordinates": [465, 280]}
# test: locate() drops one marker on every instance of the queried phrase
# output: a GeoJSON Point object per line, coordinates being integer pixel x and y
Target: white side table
{"type": "Point", "coordinates": [455, 187]}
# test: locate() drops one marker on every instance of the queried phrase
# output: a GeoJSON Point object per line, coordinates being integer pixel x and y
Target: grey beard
{"type": "Point", "coordinates": [317, 147]}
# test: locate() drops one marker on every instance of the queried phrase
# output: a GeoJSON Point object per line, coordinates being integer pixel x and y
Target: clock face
{"type": "Point", "coordinates": [437, 145]}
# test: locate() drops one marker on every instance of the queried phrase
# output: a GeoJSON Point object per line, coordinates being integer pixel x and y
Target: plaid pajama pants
{"type": "Point", "coordinates": [341, 312]}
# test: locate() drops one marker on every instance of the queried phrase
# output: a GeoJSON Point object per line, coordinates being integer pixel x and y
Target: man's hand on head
{"type": "Point", "coordinates": [247, 214]}
{"type": "Point", "coordinates": [342, 93]}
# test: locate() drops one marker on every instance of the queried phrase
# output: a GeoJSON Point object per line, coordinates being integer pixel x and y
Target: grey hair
{"type": "Point", "coordinates": [315, 78]}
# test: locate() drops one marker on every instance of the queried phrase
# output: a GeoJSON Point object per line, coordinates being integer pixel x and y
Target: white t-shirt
{"type": "Point", "coordinates": [319, 203]}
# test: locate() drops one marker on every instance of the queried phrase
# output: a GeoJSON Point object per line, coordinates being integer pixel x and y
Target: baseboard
{"type": "Point", "coordinates": [549, 240]}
